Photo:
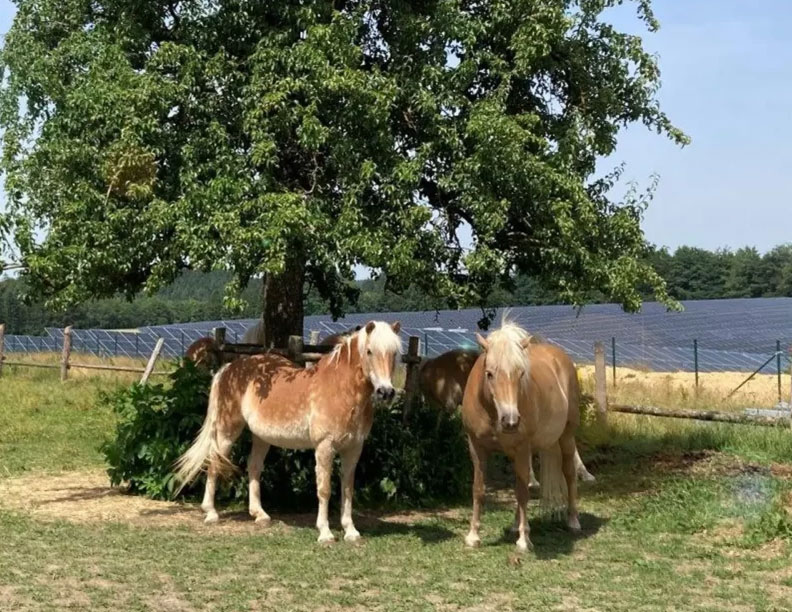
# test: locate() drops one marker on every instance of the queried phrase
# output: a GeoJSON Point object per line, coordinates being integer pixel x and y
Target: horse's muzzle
{"type": "Point", "coordinates": [509, 423]}
{"type": "Point", "coordinates": [385, 394]}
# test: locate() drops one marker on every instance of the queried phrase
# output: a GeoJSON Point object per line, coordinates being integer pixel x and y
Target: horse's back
{"type": "Point", "coordinates": [271, 395]}
{"type": "Point", "coordinates": [555, 377]}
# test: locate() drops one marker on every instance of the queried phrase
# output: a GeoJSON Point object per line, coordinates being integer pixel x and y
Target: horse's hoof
{"type": "Point", "coordinates": [353, 537]}
{"type": "Point", "coordinates": [574, 524]}
{"type": "Point", "coordinates": [211, 517]}
{"type": "Point", "coordinates": [587, 477]}
{"type": "Point", "coordinates": [263, 520]}
{"type": "Point", "coordinates": [472, 541]}
{"type": "Point", "coordinates": [534, 486]}
{"type": "Point", "coordinates": [524, 545]}
{"type": "Point", "coordinates": [326, 539]}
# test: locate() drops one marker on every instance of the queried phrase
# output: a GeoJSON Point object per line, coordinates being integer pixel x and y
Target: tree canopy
{"type": "Point", "coordinates": [295, 140]}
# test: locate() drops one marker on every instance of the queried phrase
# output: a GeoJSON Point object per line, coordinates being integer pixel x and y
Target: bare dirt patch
{"type": "Point", "coordinates": [87, 497]}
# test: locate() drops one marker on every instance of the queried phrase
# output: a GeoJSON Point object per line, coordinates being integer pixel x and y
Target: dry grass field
{"type": "Point", "coordinates": [678, 389]}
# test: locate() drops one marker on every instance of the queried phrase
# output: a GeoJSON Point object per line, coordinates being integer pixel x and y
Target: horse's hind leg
{"type": "Point", "coordinates": [349, 459]}
{"type": "Point", "coordinates": [581, 470]}
{"type": "Point", "coordinates": [324, 472]}
{"type": "Point", "coordinates": [532, 482]}
{"type": "Point", "coordinates": [258, 453]}
{"type": "Point", "coordinates": [568, 450]}
{"type": "Point", "coordinates": [224, 440]}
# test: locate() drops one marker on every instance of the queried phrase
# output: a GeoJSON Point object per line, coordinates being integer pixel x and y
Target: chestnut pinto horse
{"type": "Point", "coordinates": [522, 397]}
{"type": "Point", "coordinates": [328, 408]}
{"type": "Point", "coordinates": [443, 379]}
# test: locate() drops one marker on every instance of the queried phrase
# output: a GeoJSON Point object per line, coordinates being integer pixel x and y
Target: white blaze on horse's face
{"type": "Point", "coordinates": [505, 372]}
{"type": "Point", "coordinates": [382, 346]}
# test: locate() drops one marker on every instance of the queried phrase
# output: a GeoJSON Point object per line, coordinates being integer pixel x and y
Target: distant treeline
{"type": "Point", "coordinates": [691, 273]}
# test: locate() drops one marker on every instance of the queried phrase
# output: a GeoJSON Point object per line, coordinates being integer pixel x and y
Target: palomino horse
{"type": "Point", "coordinates": [443, 379]}
{"type": "Point", "coordinates": [328, 408]}
{"type": "Point", "coordinates": [204, 354]}
{"type": "Point", "coordinates": [254, 334]}
{"type": "Point", "coordinates": [522, 397]}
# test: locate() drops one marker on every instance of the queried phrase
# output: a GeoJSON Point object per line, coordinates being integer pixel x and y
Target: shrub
{"type": "Point", "coordinates": [421, 463]}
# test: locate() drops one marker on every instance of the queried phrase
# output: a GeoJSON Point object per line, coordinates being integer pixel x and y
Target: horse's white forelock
{"type": "Point", "coordinates": [505, 346]}
{"type": "Point", "coordinates": [381, 340]}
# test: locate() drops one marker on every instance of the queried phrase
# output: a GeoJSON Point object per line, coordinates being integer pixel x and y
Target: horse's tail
{"type": "Point", "coordinates": [553, 482]}
{"type": "Point", "coordinates": [204, 450]}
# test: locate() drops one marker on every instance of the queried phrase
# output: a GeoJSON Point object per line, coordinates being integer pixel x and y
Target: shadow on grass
{"type": "Point", "coordinates": [550, 536]}
{"type": "Point", "coordinates": [371, 525]}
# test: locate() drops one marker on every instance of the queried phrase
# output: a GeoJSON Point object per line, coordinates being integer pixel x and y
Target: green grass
{"type": "Point", "coordinates": [683, 516]}
{"type": "Point", "coordinates": [46, 425]}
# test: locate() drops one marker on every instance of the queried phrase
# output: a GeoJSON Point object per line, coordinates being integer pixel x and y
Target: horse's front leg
{"type": "Point", "coordinates": [324, 471]}
{"type": "Point", "coordinates": [479, 457]}
{"type": "Point", "coordinates": [522, 467]}
{"type": "Point", "coordinates": [349, 459]}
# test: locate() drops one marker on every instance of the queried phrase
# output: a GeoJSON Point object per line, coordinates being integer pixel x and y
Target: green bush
{"type": "Point", "coordinates": [418, 464]}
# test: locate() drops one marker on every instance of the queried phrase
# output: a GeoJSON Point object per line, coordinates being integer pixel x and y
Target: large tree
{"type": "Point", "coordinates": [294, 140]}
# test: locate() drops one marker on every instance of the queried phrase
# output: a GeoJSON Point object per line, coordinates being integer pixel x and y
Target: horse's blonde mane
{"type": "Point", "coordinates": [381, 340]}
{"type": "Point", "coordinates": [505, 346]}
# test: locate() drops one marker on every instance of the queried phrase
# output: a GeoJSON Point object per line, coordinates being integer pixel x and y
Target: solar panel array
{"type": "Point", "coordinates": [734, 335]}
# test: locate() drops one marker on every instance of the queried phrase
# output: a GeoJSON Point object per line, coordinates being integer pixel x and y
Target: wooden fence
{"type": "Point", "coordinates": [67, 364]}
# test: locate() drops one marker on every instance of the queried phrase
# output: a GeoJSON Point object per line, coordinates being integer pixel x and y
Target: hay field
{"type": "Point", "coordinates": [678, 389]}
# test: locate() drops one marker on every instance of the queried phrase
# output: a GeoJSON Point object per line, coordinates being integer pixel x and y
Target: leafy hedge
{"type": "Point", "coordinates": [418, 464]}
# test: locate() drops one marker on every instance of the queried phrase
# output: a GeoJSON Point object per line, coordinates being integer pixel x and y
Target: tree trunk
{"type": "Point", "coordinates": [282, 301]}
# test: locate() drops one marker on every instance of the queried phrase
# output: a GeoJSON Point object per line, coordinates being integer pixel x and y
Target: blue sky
{"type": "Point", "coordinates": [727, 82]}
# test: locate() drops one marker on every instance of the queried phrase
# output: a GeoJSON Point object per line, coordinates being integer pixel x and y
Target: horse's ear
{"type": "Point", "coordinates": [527, 342]}
{"type": "Point", "coordinates": [370, 327]}
{"type": "Point", "coordinates": [396, 327]}
{"type": "Point", "coordinates": [357, 327]}
{"type": "Point", "coordinates": [481, 341]}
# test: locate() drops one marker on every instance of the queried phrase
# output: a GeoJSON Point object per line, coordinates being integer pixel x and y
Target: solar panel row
{"type": "Point", "coordinates": [736, 334]}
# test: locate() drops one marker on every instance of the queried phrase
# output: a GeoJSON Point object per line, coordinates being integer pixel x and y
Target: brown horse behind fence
{"type": "Point", "coordinates": [328, 408]}
{"type": "Point", "coordinates": [204, 354]}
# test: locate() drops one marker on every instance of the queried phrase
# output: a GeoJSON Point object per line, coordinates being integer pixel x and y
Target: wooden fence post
{"type": "Point", "coordinates": [313, 339]}
{"type": "Point", "coordinates": [2, 343]}
{"type": "Point", "coordinates": [411, 378]}
{"type": "Point", "coordinates": [600, 382]}
{"type": "Point", "coordinates": [152, 360]}
{"type": "Point", "coordinates": [295, 348]}
{"type": "Point", "coordinates": [66, 353]}
{"type": "Point", "coordinates": [219, 336]}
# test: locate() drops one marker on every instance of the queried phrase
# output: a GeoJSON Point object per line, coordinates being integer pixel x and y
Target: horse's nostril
{"type": "Point", "coordinates": [509, 422]}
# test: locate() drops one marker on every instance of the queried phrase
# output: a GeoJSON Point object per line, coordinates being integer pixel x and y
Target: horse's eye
{"type": "Point", "coordinates": [489, 374]}
{"type": "Point", "coordinates": [368, 352]}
